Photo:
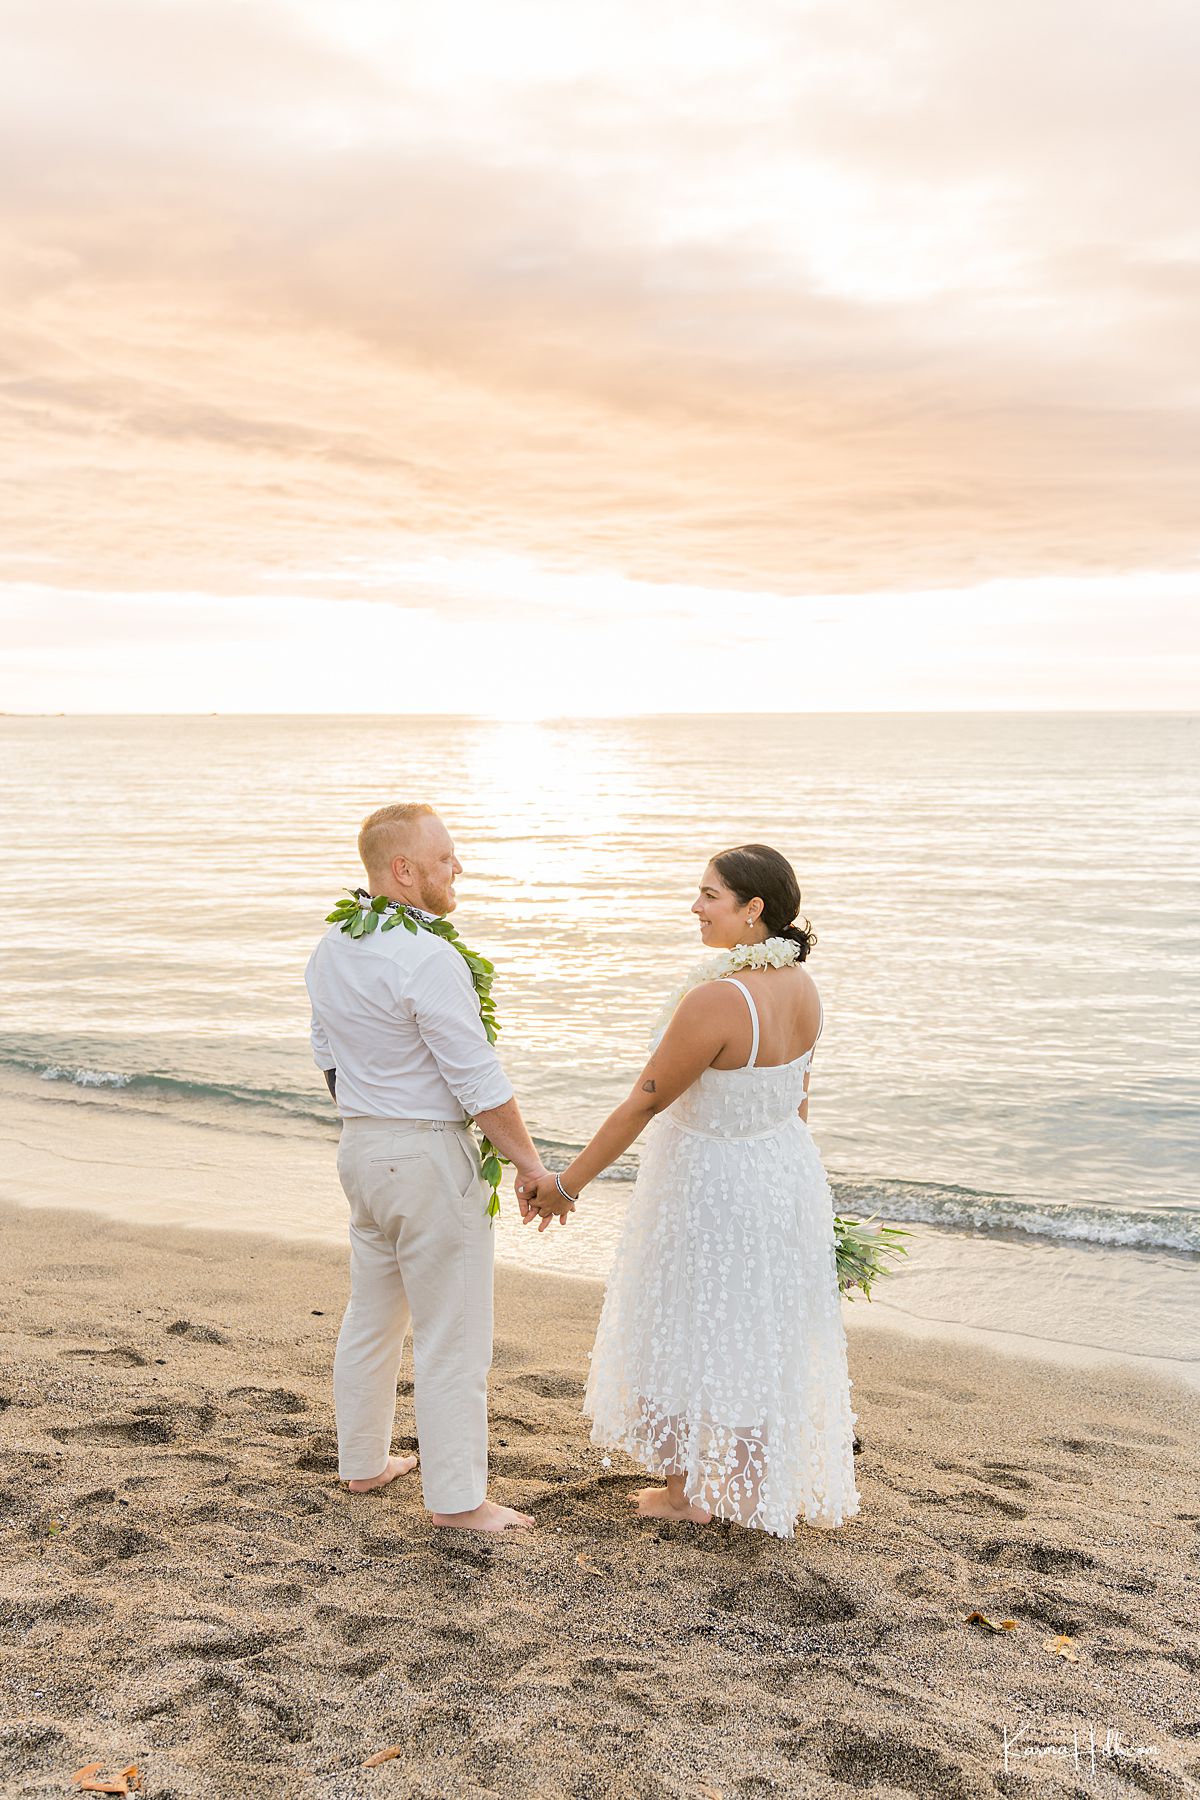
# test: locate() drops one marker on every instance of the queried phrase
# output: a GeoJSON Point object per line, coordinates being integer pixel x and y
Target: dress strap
{"type": "Point", "coordinates": [753, 1057]}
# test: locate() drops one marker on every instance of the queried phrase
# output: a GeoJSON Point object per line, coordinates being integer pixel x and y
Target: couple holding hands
{"type": "Point", "coordinates": [720, 1362]}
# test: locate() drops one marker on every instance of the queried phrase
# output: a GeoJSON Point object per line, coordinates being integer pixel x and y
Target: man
{"type": "Point", "coordinates": [396, 1027]}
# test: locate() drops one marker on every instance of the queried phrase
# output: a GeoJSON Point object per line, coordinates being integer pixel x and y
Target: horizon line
{"type": "Point", "coordinates": [476, 718]}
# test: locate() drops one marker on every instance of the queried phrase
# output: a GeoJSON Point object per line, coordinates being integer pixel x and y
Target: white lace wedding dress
{"type": "Point", "coordinates": [721, 1350]}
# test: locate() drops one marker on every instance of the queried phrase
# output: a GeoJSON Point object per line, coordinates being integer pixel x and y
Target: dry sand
{"type": "Point", "coordinates": [185, 1584]}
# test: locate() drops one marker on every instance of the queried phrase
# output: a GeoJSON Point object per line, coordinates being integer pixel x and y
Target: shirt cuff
{"type": "Point", "coordinates": [482, 1095]}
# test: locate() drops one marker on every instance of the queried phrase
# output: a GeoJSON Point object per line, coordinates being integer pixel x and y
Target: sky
{"type": "Point", "coordinates": [563, 359]}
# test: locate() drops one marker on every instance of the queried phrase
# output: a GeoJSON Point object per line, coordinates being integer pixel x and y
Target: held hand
{"type": "Point", "coordinates": [526, 1186]}
{"type": "Point", "coordinates": [545, 1202]}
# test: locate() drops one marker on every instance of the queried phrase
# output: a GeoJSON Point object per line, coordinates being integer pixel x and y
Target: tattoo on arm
{"type": "Point", "coordinates": [649, 1087]}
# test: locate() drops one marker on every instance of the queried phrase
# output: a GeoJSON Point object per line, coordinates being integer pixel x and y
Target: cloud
{"type": "Point", "coordinates": [507, 639]}
{"type": "Point", "coordinates": [810, 298]}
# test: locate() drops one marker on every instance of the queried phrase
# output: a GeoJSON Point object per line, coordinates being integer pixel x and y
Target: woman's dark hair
{"type": "Point", "coordinates": [756, 872]}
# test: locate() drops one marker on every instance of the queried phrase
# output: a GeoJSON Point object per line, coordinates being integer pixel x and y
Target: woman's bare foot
{"type": "Point", "coordinates": [656, 1503]}
{"type": "Point", "coordinates": [487, 1517]}
{"type": "Point", "coordinates": [396, 1465]}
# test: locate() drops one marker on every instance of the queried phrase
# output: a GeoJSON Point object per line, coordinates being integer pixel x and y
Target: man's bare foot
{"type": "Point", "coordinates": [396, 1465]}
{"type": "Point", "coordinates": [487, 1517]}
{"type": "Point", "coordinates": [655, 1503]}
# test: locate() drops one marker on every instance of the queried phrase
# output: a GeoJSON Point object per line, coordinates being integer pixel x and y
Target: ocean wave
{"type": "Point", "coordinates": [198, 1098]}
{"type": "Point", "coordinates": [87, 1077]}
{"type": "Point", "coordinates": [949, 1207]}
{"type": "Point", "coordinates": [192, 1097]}
{"type": "Point", "coordinates": [963, 1209]}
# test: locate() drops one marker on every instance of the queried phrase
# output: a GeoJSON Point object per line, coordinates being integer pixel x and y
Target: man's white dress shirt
{"type": "Point", "coordinates": [397, 1015]}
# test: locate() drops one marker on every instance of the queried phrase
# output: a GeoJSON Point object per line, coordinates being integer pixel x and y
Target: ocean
{"type": "Point", "coordinates": [1007, 911]}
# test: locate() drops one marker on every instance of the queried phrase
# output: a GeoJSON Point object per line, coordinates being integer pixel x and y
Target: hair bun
{"type": "Point", "coordinates": [756, 872]}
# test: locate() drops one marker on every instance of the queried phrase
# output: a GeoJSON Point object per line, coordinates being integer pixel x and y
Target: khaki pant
{"type": "Point", "coordinates": [421, 1250]}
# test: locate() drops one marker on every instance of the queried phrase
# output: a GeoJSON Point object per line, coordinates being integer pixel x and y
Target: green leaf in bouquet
{"type": "Point", "coordinates": [861, 1252]}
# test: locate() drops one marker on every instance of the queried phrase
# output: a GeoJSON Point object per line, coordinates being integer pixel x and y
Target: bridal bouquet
{"type": "Point", "coordinates": [861, 1249]}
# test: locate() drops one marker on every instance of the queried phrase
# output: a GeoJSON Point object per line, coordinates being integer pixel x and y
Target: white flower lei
{"type": "Point", "coordinates": [773, 953]}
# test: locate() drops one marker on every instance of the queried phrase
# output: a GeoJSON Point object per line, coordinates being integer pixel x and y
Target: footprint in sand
{"type": "Point", "coordinates": [917, 1582]}
{"type": "Point", "coordinates": [369, 1663]}
{"type": "Point", "coordinates": [130, 1432]}
{"type": "Point", "coordinates": [977, 1501]}
{"type": "Point", "coordinates": [1133, 1434]}
{"type": "Point", "coordinates": [607, 1666]}
{"type": "Point", "coordinates": [388, 1548]}
{"type": "Point", "coordinates": [430, 1671]}
{"type": "Point", "coordinates": [602, 1503]}
{"type": "Point", "coordinates": [1066, 1613]}
{"type": "Point", "coordinates": [1087, 1446]}
{"type": "Point", "coordinates": [807, 1600]}
{"type": "Point", "coordinates": [991, 1475]}
{"type": "Point", "coordinates": [1043, 1559]}
{"type": "Point", "coordinates": [118, 1543]}
{"type": "Point", "coordinates": [1006, 1475]}
{"type": "Point", "coordinates": [315, 1461]}
{"type": "Point", "coordinates": [158, 1422]}
{"type": "Point", "coordinates": [357, 1628]}
{"type": "Point", "coordinates": [269, 1400]}
{"type": "Point", "coordinates": [199, 1334]}
{"type": "Point", "coordinates": [518, 1465]}
{"type": "Point", "coordinates": [116, 1356]}
{"type": "Point", "coordinates": [467, 1547]}
{"type": "Point", "coordinates": [881, 1758]}
{"type": "Point", "coordinates": [553, 1387]}
{"type": "Point", "coordinates": [218, 1641]}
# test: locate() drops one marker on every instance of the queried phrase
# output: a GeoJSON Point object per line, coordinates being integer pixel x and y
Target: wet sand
{"type": "Point", "coordinates": [186, 1585]}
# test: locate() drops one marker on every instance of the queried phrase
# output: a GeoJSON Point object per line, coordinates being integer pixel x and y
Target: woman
{"type": "Point", "coordinates": [720, 1359]}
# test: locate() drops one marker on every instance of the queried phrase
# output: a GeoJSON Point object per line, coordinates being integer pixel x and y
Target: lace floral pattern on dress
{"type": "Point", "coordinates": [721, 1351]}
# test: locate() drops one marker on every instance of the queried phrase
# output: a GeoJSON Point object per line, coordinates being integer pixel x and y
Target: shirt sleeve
{"type": "Point", "coordinates": [322, 1055]}
{"type": "Point", "coordinates": [446, 1008]}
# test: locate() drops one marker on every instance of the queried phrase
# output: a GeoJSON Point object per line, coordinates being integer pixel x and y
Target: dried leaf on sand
{"type": "Point", "coordinates": [382, 1756]}
{"type": "Point", "coordinates": [90, 1781]}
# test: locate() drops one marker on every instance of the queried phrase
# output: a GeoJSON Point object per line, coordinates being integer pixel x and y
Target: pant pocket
{"type": "Point", "coordinates": [470, 1180]}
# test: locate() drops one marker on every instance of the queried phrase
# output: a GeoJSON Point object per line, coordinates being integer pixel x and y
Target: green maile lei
{"type": "Point", "coordinates": [360, 915]}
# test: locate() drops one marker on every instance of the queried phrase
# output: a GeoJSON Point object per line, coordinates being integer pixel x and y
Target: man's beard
{"type": "Point", "coordinates": [435, 900]}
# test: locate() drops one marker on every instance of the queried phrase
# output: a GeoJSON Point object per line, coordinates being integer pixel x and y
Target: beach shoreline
{"type": "Point", "coordinates": [187, 1585]}
{"type": "Point", "coordinates": [1081, 1304]}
